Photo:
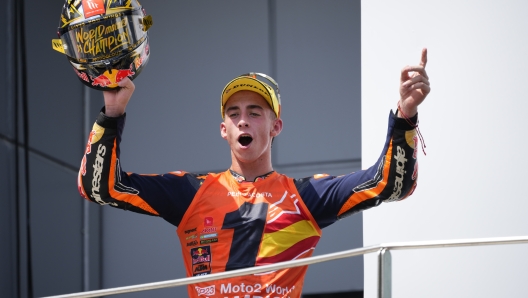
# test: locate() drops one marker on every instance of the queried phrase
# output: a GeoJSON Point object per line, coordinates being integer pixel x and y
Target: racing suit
{"type": "Point", "coordinates": [225, 222]}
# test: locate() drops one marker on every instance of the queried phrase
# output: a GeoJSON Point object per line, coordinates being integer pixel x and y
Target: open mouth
{"type": "Point", "coordinates": [245, 140]}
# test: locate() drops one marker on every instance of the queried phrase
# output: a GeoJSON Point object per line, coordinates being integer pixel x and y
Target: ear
{"type": "Point", "coordinates": [276, 128]}
{"type": "Point", "coordinates": [223, 131]}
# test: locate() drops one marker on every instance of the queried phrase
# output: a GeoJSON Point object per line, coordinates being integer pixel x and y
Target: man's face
{"type": "Point", "coordinates": [249, 125]}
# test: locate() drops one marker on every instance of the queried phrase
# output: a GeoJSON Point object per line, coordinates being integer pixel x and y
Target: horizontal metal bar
{"type": "Point", "coordinates": [222, 275]}
{"type": "Point", "coordinates": [297, 263]}
{"type": "Point", "coordinates": [455, 243]}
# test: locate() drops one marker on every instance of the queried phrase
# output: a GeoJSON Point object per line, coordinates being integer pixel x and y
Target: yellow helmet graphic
{"type": "Point", "coordinates": [104, 40]}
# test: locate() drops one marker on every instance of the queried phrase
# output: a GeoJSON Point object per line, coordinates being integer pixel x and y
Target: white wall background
{"type": "Point", "coordinates": [474, 125]}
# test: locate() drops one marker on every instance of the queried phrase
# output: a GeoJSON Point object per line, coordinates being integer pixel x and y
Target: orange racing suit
{"type": "Point", "coordinates": [226, 223]}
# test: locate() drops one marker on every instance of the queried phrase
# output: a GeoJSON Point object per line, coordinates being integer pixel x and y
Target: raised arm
{"type": "Point", "coordinates": [101, 179]}
{"type": "Point", "coordinates": [394, 175]}
{"type": "Point", "coordinates": [414, 87]}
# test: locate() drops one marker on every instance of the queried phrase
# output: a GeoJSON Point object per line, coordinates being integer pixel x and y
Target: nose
{"type": "Point", "coordinates": [243, 123]}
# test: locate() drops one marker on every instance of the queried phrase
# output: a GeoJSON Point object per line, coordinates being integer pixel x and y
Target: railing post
{"type": "Point", "coordinates": [384, 273]}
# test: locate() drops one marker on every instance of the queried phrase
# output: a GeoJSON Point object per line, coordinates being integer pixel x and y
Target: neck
{"type": "Point", "coordinates": [253, 169]}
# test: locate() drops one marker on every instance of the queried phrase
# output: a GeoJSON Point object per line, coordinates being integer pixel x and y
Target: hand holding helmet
{"type": "Point", "coordinates": [104, 40]}
{"type": "Point", "coordinates": [117, 99]}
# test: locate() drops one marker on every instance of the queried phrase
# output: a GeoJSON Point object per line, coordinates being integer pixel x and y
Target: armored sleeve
{"type": "Point", "coordinates": [392, 178]}
{"type": "Point", "coordinates": [102, 180]}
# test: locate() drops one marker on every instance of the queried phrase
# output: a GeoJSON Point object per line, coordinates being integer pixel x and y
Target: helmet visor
{"type": "Point", "coordinates": [105, 37]}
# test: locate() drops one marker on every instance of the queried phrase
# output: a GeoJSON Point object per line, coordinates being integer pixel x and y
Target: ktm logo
{"type": "Point", "coordinates": [201, 267]}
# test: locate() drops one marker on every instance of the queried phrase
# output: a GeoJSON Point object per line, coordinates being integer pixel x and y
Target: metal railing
{"type": "Point", "coordinates": [384, 265]}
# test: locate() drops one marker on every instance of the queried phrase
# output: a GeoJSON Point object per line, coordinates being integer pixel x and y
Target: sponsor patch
{"type": "Point", "coordinates": [209, 291]}
{"type": "Point", "coordinates": [201, 269]}
{"type": "Point", "coordinates": [208, 241]}
{"type": "Point", "coordinates": [201, 256]}
{"type": "Point", "coordinates": [212, 235]}
{"type": "Point", "coordinates": [93, 7]}
{"type": "Point", "coordinates": [209, 230]}
{"type": "Point", "coordinates": [208, 221]}
{"type": "Point", "coordinates": [97, 173]}
{"type": "Point", "coordinates": [94, 137]}
{"type": "Point", "coordinates": [400, 160]}
{"type": "Point", "coordinates": [190, 231]}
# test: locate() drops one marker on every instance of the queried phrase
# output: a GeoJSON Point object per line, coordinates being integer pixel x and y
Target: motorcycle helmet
{"type": "Point", "coordinates": [104, 40]}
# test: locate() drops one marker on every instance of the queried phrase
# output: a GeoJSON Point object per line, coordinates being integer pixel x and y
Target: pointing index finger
{"type": "Point", "coordinates": [423, 61]}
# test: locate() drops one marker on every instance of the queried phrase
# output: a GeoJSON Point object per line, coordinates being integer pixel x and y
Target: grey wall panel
{"type": "Point", "coordinates": [56, 230]}
{"type": "Point", "coordinates": [318, 66]}
{"type": "Point", "coordinates": [54, 91]}
{"type": "Point", "coordinates": [8, 227]}
{"type": "Point", "coordinates": [139, 249]}
{"type": "Point", "coordinates": [6, 73]}
{"type": "Point", "coordinates": [196, 48]}
{"type": "Point", "coordinates": [8, 248]}
{"type": "Point", "coordinates": [342, 275]}
{"type": "Point", "coordinates": [56, 142]}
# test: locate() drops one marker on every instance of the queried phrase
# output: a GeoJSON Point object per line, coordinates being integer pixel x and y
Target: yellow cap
{"type": "Point", "coordinates": [251, 83]}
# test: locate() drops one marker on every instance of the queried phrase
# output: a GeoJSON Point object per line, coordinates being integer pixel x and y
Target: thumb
{"type": "Point", "coordinates": [126, 88]}
{"type": "Point", "coordinates": [126, 83]}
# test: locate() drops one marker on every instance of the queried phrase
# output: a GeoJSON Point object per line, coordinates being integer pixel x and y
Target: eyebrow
{"type": "Point", "coordinates": [255, 107]}
{"type": "Point", "coordinates": [231, 108]}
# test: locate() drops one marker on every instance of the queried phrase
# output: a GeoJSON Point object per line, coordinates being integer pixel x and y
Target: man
{"type": "Point", "coordinates": [250, 215]}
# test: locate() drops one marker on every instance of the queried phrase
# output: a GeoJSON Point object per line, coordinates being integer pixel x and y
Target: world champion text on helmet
{"type": "Point", "coordinates": [104, 40]}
